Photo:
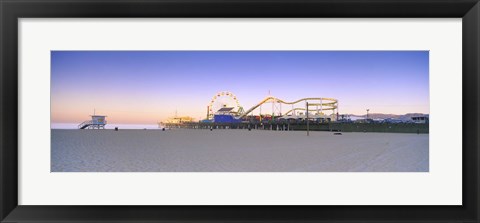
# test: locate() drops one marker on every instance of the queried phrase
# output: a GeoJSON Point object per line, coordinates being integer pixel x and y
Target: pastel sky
{"type": "Point", "coordinates": [144, 87]}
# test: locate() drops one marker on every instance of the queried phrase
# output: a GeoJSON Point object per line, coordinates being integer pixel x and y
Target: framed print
{"type": "Point", "coordinates": [239, 111]}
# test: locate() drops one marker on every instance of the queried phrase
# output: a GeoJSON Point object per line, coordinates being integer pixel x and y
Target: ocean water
{"type": "Point", "coordinates": [108, 126]}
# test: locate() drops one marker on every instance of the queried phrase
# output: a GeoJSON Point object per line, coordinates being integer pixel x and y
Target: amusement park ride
{"type": "Point", "coordinates": [225, 108]}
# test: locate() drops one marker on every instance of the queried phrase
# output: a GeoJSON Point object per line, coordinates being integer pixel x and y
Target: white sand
{"type": "Point", "coordinates": [189, 150]}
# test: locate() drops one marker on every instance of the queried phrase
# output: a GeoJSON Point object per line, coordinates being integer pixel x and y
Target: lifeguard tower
{"type": "Point", "coordinates": [97, 122]}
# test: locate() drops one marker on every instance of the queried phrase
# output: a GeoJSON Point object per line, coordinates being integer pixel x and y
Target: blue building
{"type": "Point", "coordinates": [225, 115]}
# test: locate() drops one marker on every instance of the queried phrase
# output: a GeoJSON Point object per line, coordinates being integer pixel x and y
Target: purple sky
{"type": "Point", "coordinates": [143, 87]}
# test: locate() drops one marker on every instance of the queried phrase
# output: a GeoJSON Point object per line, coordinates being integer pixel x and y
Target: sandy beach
{"type": "Point", "coordinates": [191, 150]}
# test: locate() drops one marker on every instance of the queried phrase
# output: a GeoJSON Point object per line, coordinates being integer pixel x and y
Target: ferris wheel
{"type": "Point", "coordinates": [224, 99]}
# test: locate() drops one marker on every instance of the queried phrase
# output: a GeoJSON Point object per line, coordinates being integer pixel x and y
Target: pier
{"type": "Point", "coordinates": [302, 126]}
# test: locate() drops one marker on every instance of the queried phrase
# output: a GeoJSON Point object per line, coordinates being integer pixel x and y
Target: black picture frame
{"type": "Point", "coordinates": [12, 10]}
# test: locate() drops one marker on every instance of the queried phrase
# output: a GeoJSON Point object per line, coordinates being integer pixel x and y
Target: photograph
{"type": "Point", "coordinates": [239, 111]}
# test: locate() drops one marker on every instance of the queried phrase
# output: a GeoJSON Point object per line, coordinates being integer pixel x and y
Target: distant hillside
{"type": "Point", "coordinates": [405, 117]}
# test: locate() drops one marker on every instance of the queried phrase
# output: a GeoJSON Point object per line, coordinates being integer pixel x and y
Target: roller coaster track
{"type": "Point", "coordinates": [303, 109]}
{"type": "Point", "coordinates": [332, 103]}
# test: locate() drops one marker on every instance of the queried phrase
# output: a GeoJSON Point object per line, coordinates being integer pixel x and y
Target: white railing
{"type": "Point", "coordinates": [81, 125]}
